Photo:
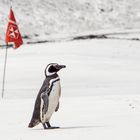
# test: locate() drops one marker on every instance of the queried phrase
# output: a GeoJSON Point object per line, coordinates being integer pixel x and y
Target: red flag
{"type": "Point", "coordinates": [12, 33]}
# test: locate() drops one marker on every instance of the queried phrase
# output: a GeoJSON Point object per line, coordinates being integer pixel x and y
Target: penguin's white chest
{"type": "Point", "coordinates": [54, 95]}
{"type": "Point", "coordinates": [53, 101]}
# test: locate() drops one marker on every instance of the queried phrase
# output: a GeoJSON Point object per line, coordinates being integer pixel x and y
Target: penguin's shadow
{"type": "Point", "coordinates": [73, 127]}
{"type": "Point", "coordinates": [79, 127]}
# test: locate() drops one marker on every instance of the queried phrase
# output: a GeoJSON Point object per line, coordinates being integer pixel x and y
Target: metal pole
{"type": "Point", "coordinates": [5, 62]}
{"type": "Point", "coordinates": [10, 3]}
{"type": "Point", "coordinates": [4, 72]}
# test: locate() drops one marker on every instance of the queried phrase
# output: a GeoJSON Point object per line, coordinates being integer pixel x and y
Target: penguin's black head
{"type": "Point", "coordinates": [53, 68]}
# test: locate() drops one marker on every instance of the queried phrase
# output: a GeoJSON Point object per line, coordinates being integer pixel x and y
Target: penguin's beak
{"type": "Point", "coordinates": [60, 66]}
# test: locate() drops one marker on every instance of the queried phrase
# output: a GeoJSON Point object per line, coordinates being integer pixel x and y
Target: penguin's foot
{"type": "Point", "coordinates": [44, 125]}
{"type": "Point", "coordinates": [49, 126]}
{"type": "Point", "coordinates": [53, 127]}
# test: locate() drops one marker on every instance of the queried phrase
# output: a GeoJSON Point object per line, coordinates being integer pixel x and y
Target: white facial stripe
{"type": "Point", "coordinates": [47, 70]}
{"type": "Point", "coordinates": [49, 74]}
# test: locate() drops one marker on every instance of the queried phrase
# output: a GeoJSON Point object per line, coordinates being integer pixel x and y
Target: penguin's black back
{"type": "Point", "coordinates": [44, 87]}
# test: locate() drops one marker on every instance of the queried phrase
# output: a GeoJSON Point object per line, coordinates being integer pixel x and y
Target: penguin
{"type": "Point", "coordinates": [47, 100]}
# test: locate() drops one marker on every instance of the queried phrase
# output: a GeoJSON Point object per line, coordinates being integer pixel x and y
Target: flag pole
{"type": "Point", "coordinates": [4, 72]}
{"type": "Point", "coordinates": [10, 3]}
{"type": "Point", "coordinates": [5, 63]}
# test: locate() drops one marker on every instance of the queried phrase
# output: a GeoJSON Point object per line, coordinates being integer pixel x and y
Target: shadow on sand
{"type": "Point", "coordinates": [74, 127]}
{"type": "Point", "coordinates": [80, 127]}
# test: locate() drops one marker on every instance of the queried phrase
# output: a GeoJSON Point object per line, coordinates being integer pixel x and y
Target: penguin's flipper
{"type": "Point", "coordinates": [45, 98]}
{"type": "Point", "coordinates": [57, 107]}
